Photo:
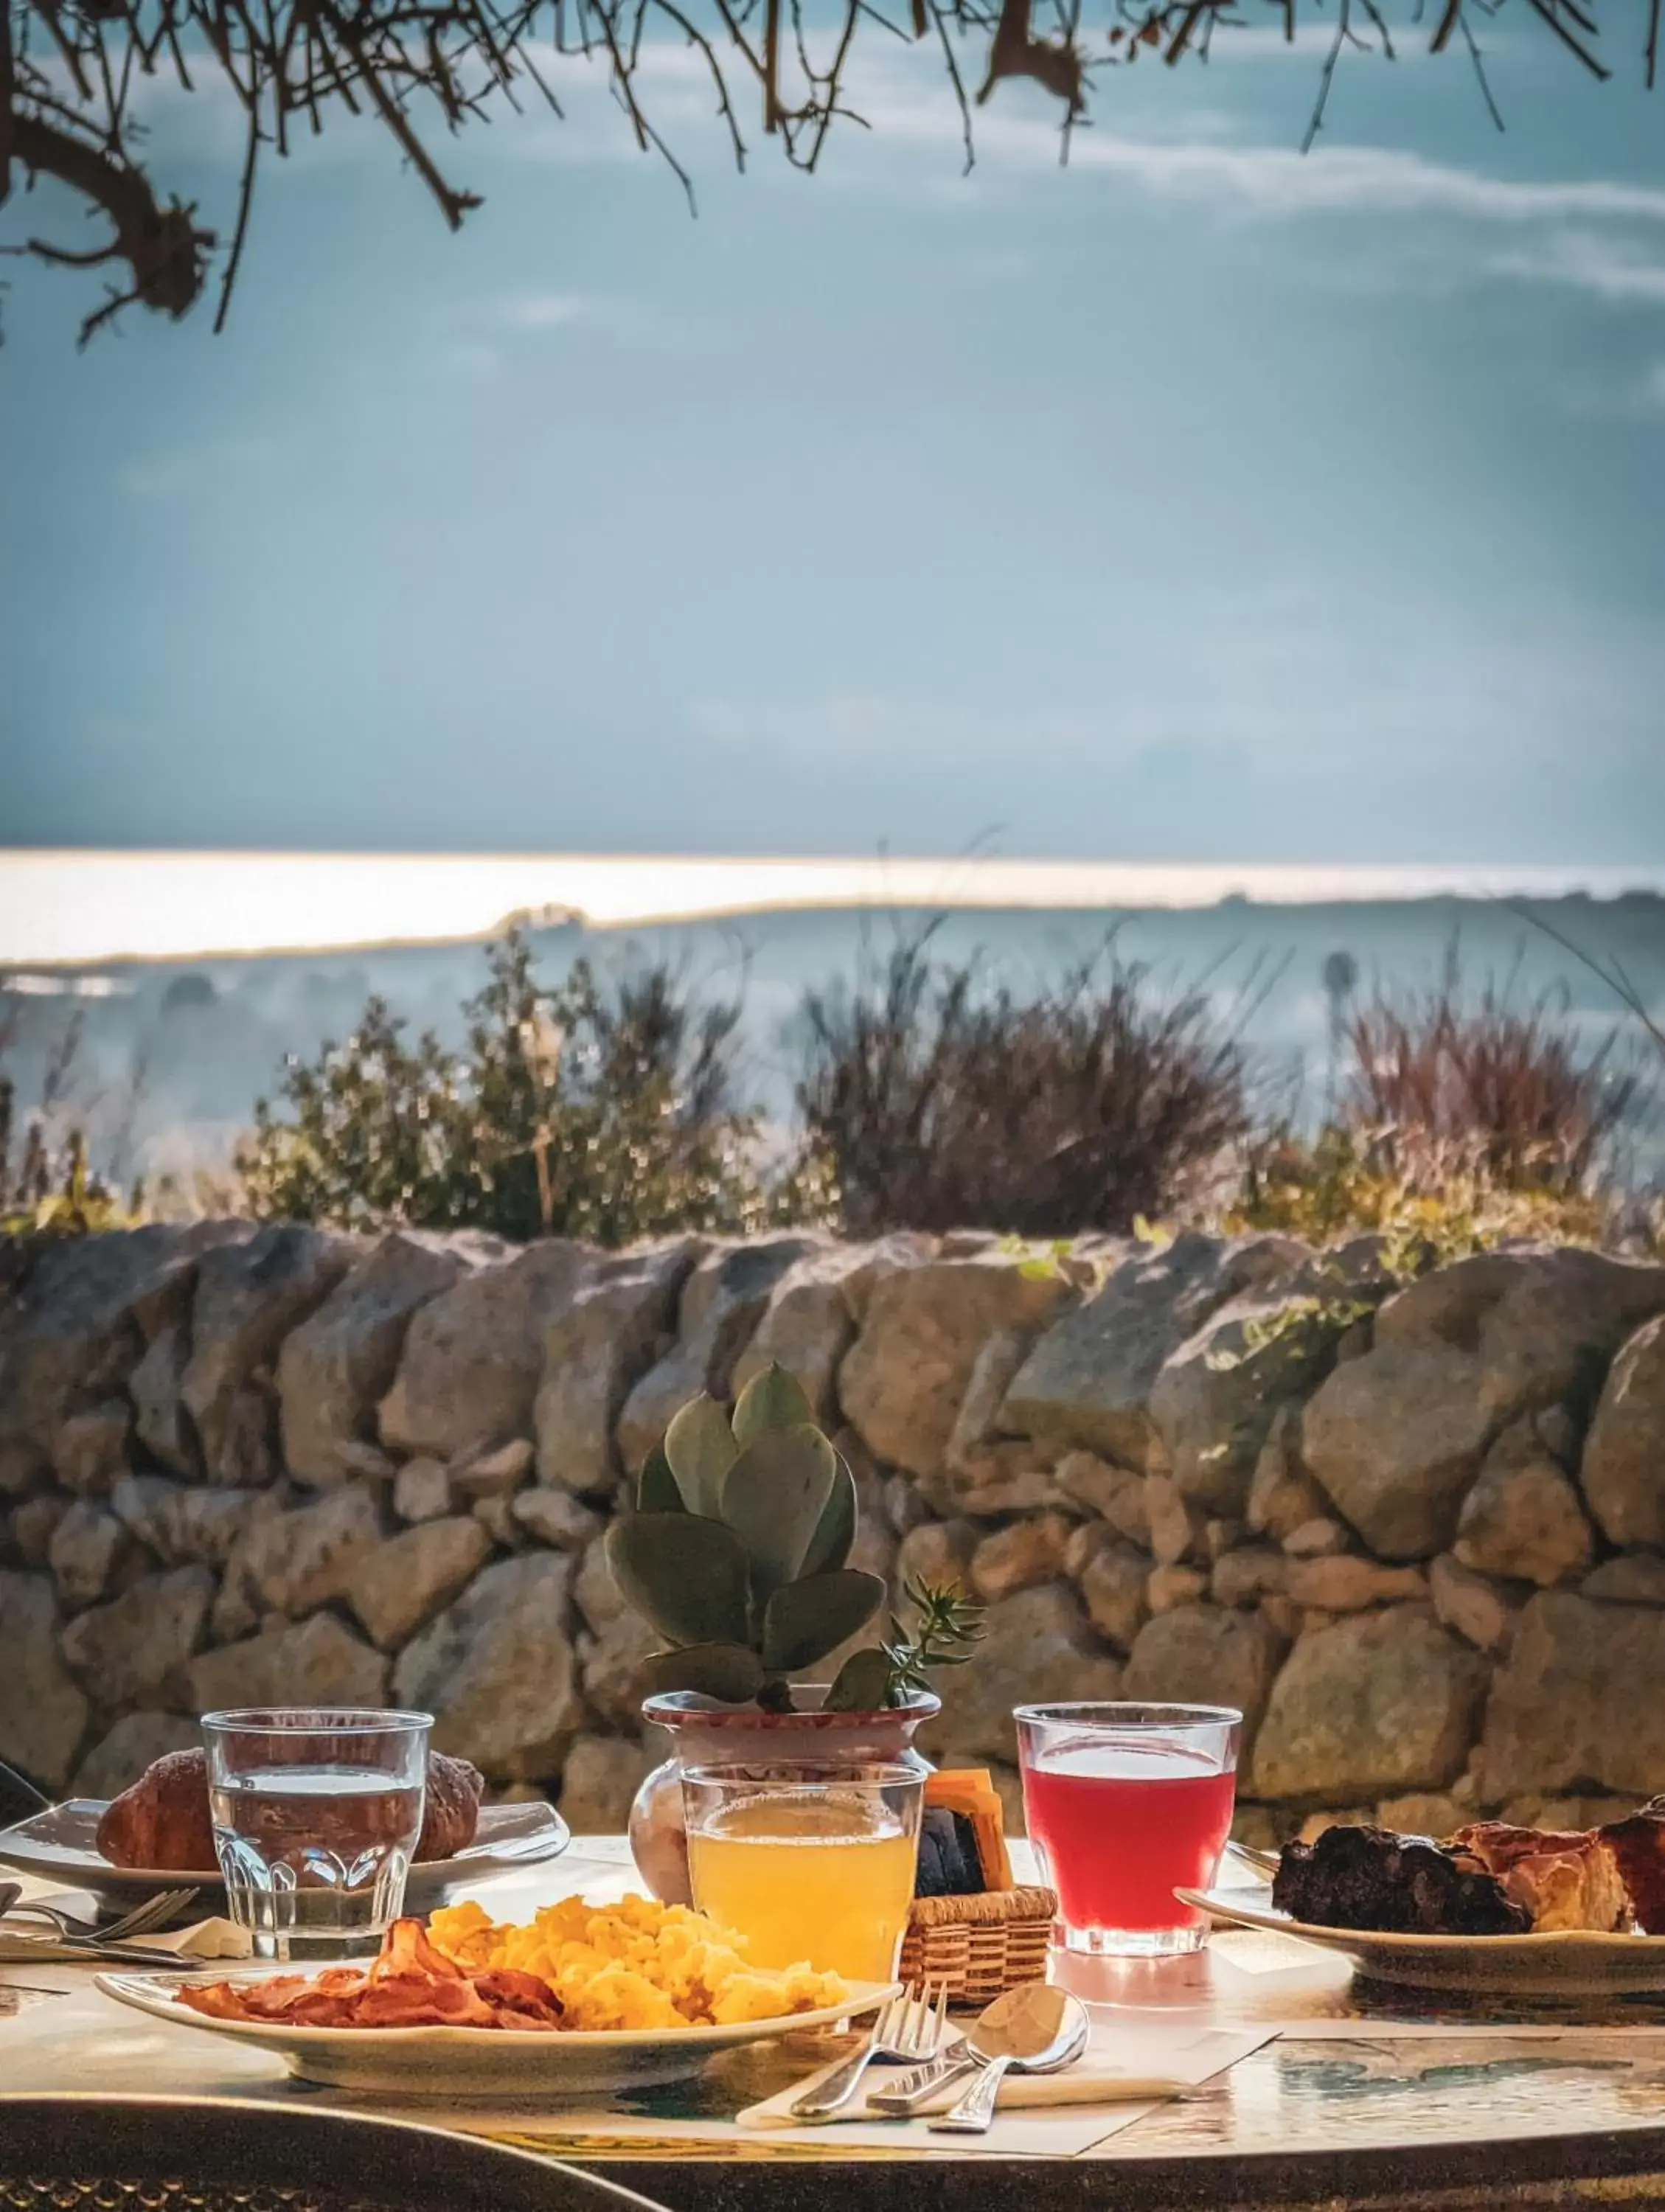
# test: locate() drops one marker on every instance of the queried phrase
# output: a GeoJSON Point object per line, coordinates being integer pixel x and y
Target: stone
{"type": "Point", "coordinates": [811, 1320]}
{"type": "Point", "coordinates": [120, 1756]}
{"type": "Point", "coordinates": [127, 1649]}
{"type": "Point", "coordinates": [493, 1473]}
{"type": "Point", "coordinates": [594, 1354]}
{"type": "Point", "coordinates": [1037, 1648]}
{"type": "Point", "coordinates": [1167, 1586]}
{"type": "Point", "coordinates": [1243, 1577]}
{"type": "Point", "coordinates": [1565, 1815]}
{"type": "Point", "coordinates": [1424, 1812]}
{"type": "Point", "coordinates": [74, 1327]}
{"type": "Point", "coordinates": [317, 1662]}
{"type": "Point", "coordinates": [34, 1524]}
{"type": "Point", "coordinates": [248, 1298]}
{"type": "Point", "coordinates": [43, 1713]}
{"type": "Point", "coordinates": [1522, 1517]}
{"type": "Point", "coordinates": [181, 1522]}
{"type": "Point", "coordinates": [366, 1462]}
{"type": "Point", "coordinates": [1379, 1703]}
{"type": "Point", "coordinates": [159, 1419]}
{"type": "Point", "coordinates": [613, 1644]}
{"type": "Point", "coordinates": [904, 1379]}
{"type": "Point", "coordinates": [1346, 1583]}
{"type": "Point", "coordinates": [602, 1775]}
{"type": "Point", "coordinates": [1396, 1439]}
{"type": "Point", "coordinates": [1175, 1525]}
{"type": "Point", "coordinates": [250, 1453]}
{"type": "Point", "coordinates": [1321, 1539]}
{"type": "Point", "coordinates": [1221, 1536]}
{"type": "Point", "coordinates": [1214, 1402]}
{"type": "Point", "coordinates": [1129, 1514]}
{"type": "Point", "coordinates": [1020, 1555]}
{"type": "Point", "coordinates": [1576, 1705]}
{"type": "Point", "coordinates": [939, 1552]}
{"type": "Point", "coordinates": [336, 1366]}
{"type": "Point", "coordinates": [555, 1517]}
{"type": "Point", "coordinates": [292, 1563]}
{"type": "Point", "coordinates": [1561, 1436]}
{"type": "Point", "coordinates": [1282, 1496]}
{"type": "Point", "coordinates": [1624, 1466]}
{"type": "Point", "coordinates": [1481, 1610]}
{"type": "Point", "coordinates": [721, 1304]}
{"type": "Point", "coordinates": [497, 1672]}
{"type": "Point", "coordinates": [1632, 1578]}
{"type": "Point", "coordinates": [88, 1545]}
{"type": "Point", "coordinates": [904, 1508]}
{"type": "Point", "coordinates": [422, 1490]}
{"type": "Point", "coordinates": [998, 1480]}
{"type": "Point", "coordinates": [89, 1452]}
{"type": "Point", "coordinates": [1112, 1584]}
{"type": "Point", "coordinates": [405, 1581]}
{"type": "Point", "coordinates": [496, 1516]}
{"type": "Point", "coordinates": [1089, 1380]}
{"type": "Point", "coordinates": [468, 1375]}
{"type": "Point", "coordinates": [1543, 1324]}
{"type": "Point", "coordinates": [1195, 1654]}
{"type": "Point", "coordinates": [968, 1455]}
{"type": "Point", "coordinates": [1091, 1482]}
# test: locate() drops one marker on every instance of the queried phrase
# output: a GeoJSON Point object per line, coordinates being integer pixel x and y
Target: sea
{"type": "Point", "coordinates": [154, 996]}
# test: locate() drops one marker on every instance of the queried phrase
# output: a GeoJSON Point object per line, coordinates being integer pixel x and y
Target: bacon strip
{"type": "Point", "coordinates": [409, 1984]}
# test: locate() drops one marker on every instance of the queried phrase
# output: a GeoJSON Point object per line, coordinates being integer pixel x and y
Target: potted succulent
{"type": "Point", "coordinates": [736, 1554]}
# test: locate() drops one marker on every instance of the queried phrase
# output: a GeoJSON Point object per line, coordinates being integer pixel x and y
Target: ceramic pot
{"type": "Point", "coordinates": [818, 1746]}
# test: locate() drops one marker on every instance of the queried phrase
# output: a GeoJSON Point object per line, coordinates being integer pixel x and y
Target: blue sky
{"type": "Point", "coordinates": [1196, 501]}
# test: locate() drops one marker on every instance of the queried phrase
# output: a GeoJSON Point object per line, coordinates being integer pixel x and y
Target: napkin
{"type": "Point", "coordinates": [1144, 2071]}
{"type": "Point", "coordinates": [204, 1939]}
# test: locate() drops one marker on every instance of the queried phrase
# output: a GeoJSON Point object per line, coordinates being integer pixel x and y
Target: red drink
{"type": "Point", "coordinates": [1121, 1824]}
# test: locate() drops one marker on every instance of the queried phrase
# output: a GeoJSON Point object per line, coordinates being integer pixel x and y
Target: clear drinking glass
{"type": "Point", "coordinates": [812, 1869]}
{"type": "Point", "coordinates": [1124, 1804]}
{"type": "Point", "coordinates": [316, 1812]}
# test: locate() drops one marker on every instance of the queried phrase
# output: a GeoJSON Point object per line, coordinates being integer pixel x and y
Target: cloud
{"type": "Point", "coordinates": [543, 311]}
{"type": "Point", "coordinates": [1610, 267]}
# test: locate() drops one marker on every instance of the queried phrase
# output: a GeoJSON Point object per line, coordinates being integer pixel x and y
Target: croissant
{"type": "Point", "coordinates": [162, 1820]}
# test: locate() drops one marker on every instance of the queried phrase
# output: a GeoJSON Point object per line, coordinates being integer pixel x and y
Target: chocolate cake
{"type": "Point", "coordinates": [1369, 1878]}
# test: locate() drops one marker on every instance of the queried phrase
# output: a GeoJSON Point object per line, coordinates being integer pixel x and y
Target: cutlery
{"type": "Point", "coordinates": [10, 1893]}
{"type": "Point", "coordinates": [1263, 1863]}
{"type": "Point", "coordinates": [1037, 2029]}
{"type": "Point", "coordinates": [909, 2028]}
{"type": "Point", "coordinates": [143, 1920]}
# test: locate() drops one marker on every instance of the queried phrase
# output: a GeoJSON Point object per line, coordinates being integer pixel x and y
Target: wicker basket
{"type": "Point", "coordinates": [979, 1946]}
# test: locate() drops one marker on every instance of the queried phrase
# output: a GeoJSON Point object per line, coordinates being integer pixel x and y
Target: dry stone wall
{"type": "Point", "coordinates": [1424, 1550]}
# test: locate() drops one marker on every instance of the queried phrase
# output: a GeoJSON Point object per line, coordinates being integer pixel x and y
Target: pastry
{"type": "Point", "coordinates": [162, 1820]}
{"type": "Point", "coordinates": [1369, 1878]}
{"type": "Point", "coordinates": [1638, 1843]}
{"type": "Point", "coordinates": [1564, 1881]}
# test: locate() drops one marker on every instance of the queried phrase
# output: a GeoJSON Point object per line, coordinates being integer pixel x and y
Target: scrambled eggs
{"type": "Point", "coordinates": [636, 1964]}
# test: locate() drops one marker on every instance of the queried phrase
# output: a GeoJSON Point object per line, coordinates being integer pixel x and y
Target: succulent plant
{"type": "Point", "coordinates": [736, 1551]}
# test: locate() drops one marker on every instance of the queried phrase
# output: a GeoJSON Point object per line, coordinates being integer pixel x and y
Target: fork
{"type": "Point", "coordinates": [143, 1920]}
{"type": "Point", "coordinates": [909, 2029]}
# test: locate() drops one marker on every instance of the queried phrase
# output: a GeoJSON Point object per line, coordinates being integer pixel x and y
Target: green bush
{"type": "Point", "coordinates": [591, 1109]}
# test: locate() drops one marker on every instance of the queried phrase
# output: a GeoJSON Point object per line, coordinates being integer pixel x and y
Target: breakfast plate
{"type": "Point", "coordinates": [1569, 1962]}
{"type": "Point", "coordinates": [486, 2061]}
{"type": "Point", "coordinates": [61, 1846]}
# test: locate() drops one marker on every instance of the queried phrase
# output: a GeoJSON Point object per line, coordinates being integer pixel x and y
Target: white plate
{"type": "Point", "coordinates": [493, 2062]}
{"type": "Point", "coordinates": [60, 1844]}
{"type": "Point", "coordinates": [1573, 1962]}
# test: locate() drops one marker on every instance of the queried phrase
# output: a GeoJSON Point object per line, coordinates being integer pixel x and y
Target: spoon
{"type": "Point", "coordinates": [1041, 2030]}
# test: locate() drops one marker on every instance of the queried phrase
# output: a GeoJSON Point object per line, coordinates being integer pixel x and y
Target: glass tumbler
{"type": "Point", "coordinates": [807, 1869]}
{"type": "Point", "coordinates": [316, 1813]}
{"type": "Point", "coordinates": [1125, 1804]}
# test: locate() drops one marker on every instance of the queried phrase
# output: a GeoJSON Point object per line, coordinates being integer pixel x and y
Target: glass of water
{"type": "Point", "coordinates": [316, 1812]}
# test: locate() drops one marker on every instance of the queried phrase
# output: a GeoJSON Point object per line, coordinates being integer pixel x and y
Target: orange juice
{"type": "Point", "coordinates": [808, 1878]}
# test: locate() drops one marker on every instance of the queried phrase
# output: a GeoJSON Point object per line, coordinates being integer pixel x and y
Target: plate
{"type": "Point", "coordinates": [60, 1845]}
{"type": "Point", "coordinates": [1572, 1962]}
{"type": "Point", "coordinates": [493, 2062]}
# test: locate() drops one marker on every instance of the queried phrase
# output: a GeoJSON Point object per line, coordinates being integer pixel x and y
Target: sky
{"type": "Point", "coordinates": [1197, 501]}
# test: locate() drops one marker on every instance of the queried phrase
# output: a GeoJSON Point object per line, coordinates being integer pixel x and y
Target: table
{"type": "Point", "coordinates": [1362, 2098]}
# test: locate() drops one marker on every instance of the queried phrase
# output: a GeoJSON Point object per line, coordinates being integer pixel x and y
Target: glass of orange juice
{"type": "Point", "coordinates": [812, 1869]}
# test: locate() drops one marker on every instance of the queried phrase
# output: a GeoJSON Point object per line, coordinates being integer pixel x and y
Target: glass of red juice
{"type": "Point", "coordinates": [1125, 1804]}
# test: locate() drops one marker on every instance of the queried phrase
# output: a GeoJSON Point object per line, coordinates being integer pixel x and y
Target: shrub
{"type": "Point", "coordinates": [47, 1187]}
{"type": "Point", "coordinates": [1483, 1088]}
{"type": "Point", "coordinates": [590, 1110]}
{"type": "Point", "coordinates": [934, 1105]}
